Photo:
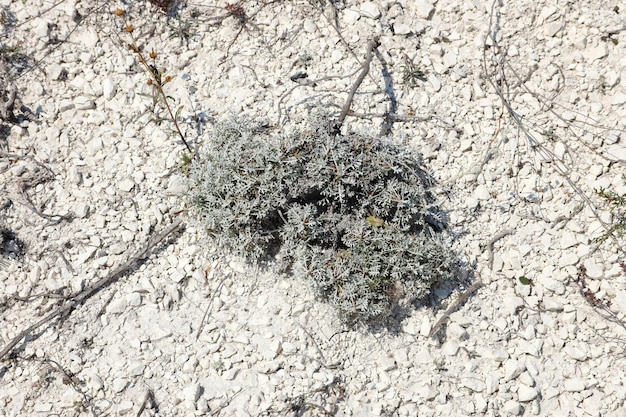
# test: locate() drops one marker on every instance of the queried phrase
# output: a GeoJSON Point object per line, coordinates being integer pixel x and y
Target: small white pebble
{"type": "Point", "coordinates": [574, 384]}
{"type": "Point", "coordinates": [192, 393]}
{"type": "Point", "coordinates": [109, 88]}
{"type": "Point", "coordinates": [126, 185]}
{"type": "Point", "coordinates": [512, 407]}
{"type": "Point", "coordinates": [526, 393]}
{"type": "Point", "coordinates": [512, 369]}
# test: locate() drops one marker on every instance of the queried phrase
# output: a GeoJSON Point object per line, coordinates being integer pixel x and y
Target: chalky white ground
{"type": "Point", "coordinates": [267, 344]}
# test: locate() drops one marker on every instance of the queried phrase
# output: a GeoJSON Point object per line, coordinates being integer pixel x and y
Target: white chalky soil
{"type": "Point", "coordinates": [267, 346]}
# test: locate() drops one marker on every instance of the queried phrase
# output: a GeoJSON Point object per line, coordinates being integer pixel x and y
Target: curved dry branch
{"type": "Point", "coordinates": [365, 68]}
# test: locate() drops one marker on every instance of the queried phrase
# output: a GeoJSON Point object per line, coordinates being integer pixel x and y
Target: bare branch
{"type": "Point", "coordinates": [74, 301]}
{"type": "Point", "coordinates": [371, 46]}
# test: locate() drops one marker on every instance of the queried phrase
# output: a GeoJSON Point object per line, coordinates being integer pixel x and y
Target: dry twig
{"type": "Point", "coordinates": [365, 68]}
{"type": "Point", "coordinates": [76, 300]}
{"type": "Point", "coordinates": [454, 306]}
{"type": "Point", "coordinates": [208, 308]}
{"type": "Point", "coordinates": [494, 240]}
{"type": "Point", "coordinates": [148, 400]}
{"type": "Point", "coordinates": [497, 78]}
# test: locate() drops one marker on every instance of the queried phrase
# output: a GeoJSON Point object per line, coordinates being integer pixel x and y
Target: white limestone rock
{"type": "Point", "coordinates": [423, 8]}
{"type": "Point", "coordinates": [109, 88]}
{"type": "Point", "coordinates": [512, 407]}
{"type": "Point", "coordinates": [526, 393]}
{"type": "Point", "coordinates": [576, 351]}
{"type": "Point", "coordinates": [192, 392]}
{"type": "Point", "coordinates": [574, 384]}
{"type": "Point", "coordinates": [473, 381]}
{"type": "Point", "coordinates": [512, 369]}
{"type": "Point", "coordinates": [370, 10]}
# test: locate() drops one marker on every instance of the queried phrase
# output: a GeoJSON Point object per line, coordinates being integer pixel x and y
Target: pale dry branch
{"type": "Point", "coordinates": [497, 78]}
{"type": "Point", "coordinates": [454, 306]}
{"type": "Point", "coordinates": [365, 68]}
{"type": "Point", "coordinates": [493, 241]}
{"type": "Point", "coordinates": [74, 301]}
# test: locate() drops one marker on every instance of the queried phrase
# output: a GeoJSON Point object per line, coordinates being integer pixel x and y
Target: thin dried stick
{"type": "Point", "coordinates": [82, 296]}
{"type": "Point", "coordinates": [371, 46]}
{"type": "Point", "coordinates": [148, 399]}
{"type": "Point", "coordinates": [454, 306]}
{"type": "Point", "coordinates": [501, 88]}
{"type": "Point", "coordinates": [225, 403]}
{"type": "Point", "coordinates": [494, 240]}
{"type": "Point", "coordinates": [208, 308]}
{"type": "Point", "coordinates": [335, 25]}
{"type": "Point", "coordinates": [311, 83]}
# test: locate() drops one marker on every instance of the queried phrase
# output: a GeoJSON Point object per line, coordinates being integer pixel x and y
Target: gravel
{"type": "Point", "coordinates": [189, 332]}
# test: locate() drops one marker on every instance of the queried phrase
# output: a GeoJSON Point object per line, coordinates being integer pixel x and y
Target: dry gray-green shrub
{"type": "Point", "coordinates": [351, 213]}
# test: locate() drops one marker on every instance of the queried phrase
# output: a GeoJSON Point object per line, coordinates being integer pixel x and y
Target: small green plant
{"type": "Point", "coordinates": [411, 73]}
{"type": "Point", "coordinates": [185, 163]}
{"type": "Point", "coordinates": [157, 78]}
{"type": "Point", "coordinates": [353, 214]}
{"type": "Point", "coordinates": [526, 281]}
{"type": "Point", "coordinates": [441, 39]}
{"type": "Point", "coordinates": [618, 208]}
{"type": "Point", "coordinates": [550, 133]}
{"type": "Point", "coordinates": [181, 28]}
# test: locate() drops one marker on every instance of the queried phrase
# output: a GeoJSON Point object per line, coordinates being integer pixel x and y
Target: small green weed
{"type": "Point", "coordinates": [411, 73]}
{"type": "Point", "coordinates": [618, 208]}
{"type": "Point", "coordinates": [185, 163]}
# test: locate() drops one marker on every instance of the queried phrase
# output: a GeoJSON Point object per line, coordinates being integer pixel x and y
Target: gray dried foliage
{"type": "Point", "coordinates": [351, 213]}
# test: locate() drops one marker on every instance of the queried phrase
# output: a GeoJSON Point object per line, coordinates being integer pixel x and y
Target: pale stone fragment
{"type": "Point", "coordinates": [109, 88]}
{"type": "Point", "coordinates": [512, 407]}
{"type": "Point", "coordinates": [473, 381]}
{"type": "Point", "coordinates": [512, 369]}
{"type": "Point", "coordinates": [427, 392]}
{"type": "Point", "coordinates": [575, 352]}
{"type": "Point", "coordinates": [552, 285]}
{"type": "Point", "coordinates": [126, 184]}
{"type": "Point", "coordinates": [526, 393]}
{"type": "Point", "coordinates": [434, 82]}
{"type": "Point", "coordinates": [620, 300]}
{"type": "Point", "coordinates": [482, 193]}
{"type": "Point", "coordinates": [552, 28]}
{"type": "Point", "coordinates": [400, 27]}
{"type": "Point", "coordinates": [386, 363]}
{"type": "Point", "coordinates": [492, 383]}
{"type": "Point", "coordinates": [616, 152]}
{"type": "Point", "coordinates": [550, 304]}
{"type": "Point", "coordinates": [574, 384]}
{"type": "Point", "coordinates": [618, 99]}
{"type": "Point", "coordinates": [55, 71]}
{"type": "Point", "coordinates": [43, 407]}
{"type": "Point", "coordinates": [423, 8]}
{"type": "Point", "coordinates": [192, 392]}
{"type": "Point", "coordinates": [370, 10]}
{"type": "Point", "coordinates": [597, 52]}
{"type": "Point", "coordinates": [593, 269]}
